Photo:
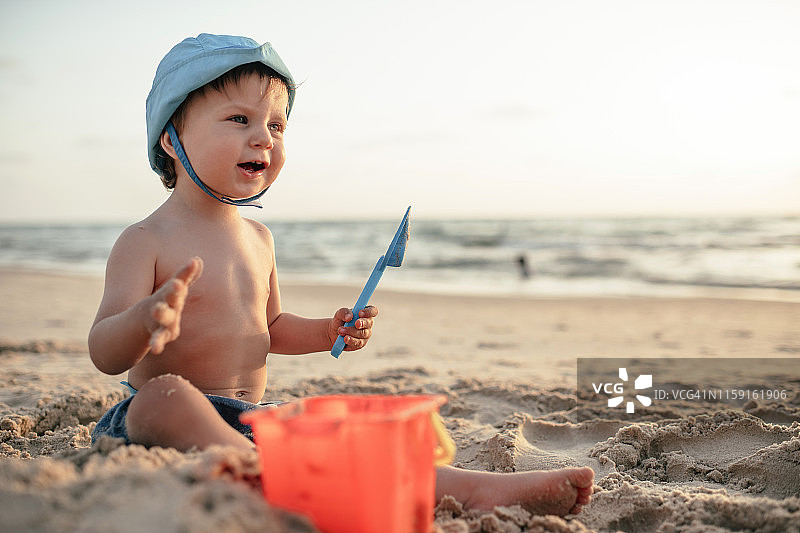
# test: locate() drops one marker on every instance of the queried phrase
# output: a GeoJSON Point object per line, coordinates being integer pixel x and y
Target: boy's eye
{"type": "Point", "coordinates": [277, 127]}
{"type": "Point", "coordinates": [239, 119]}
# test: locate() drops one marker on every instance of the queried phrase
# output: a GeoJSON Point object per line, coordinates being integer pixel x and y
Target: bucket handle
{"type": "Point", "coordinates": [445, 448]}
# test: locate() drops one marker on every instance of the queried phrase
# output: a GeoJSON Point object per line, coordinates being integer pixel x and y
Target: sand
{"type": "Point", "coordinates": [508, 367]}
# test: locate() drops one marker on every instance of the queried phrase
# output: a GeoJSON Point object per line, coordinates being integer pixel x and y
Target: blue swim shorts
{"type": "Point", "coordinates": [113, 423]}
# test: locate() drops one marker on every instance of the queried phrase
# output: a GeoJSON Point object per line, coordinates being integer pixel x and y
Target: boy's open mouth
{"type": "Point", "coordinates": [252, 166]}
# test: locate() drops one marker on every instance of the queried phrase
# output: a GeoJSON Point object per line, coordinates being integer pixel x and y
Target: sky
{"type": "Point", "coordinates": [461, 109]}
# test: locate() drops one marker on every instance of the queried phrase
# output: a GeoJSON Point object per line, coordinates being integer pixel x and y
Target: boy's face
{"type": "Point", "coordinates": [234, 138]}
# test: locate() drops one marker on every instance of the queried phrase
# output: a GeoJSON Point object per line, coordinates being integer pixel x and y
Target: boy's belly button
{"type": "Point", "coordinates": [238, 394]}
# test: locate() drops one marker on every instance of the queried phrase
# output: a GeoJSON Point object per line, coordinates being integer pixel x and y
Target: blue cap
{"type": "Point", "coordinates": [194, 62]}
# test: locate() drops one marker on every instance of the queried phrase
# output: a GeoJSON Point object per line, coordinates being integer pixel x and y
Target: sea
{"type": "Point", "coordinates": [545, 257]}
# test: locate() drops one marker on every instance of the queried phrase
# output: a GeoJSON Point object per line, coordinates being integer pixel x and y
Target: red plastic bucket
{"type": "Point", "coordinates": [354, 463]}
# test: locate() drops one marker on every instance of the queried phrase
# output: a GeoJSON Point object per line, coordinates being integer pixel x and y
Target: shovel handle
{"type": "Point", "coordinates": [361, 303]}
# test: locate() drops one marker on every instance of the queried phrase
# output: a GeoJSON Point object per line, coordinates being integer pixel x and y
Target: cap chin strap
{"type": "Point", "coordinates": [176, 144]}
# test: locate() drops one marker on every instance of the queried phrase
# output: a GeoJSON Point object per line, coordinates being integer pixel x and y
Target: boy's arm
{"type": "Point", "coordinates": [132, 320]}
{"type": "Point", "coordinates": [293, 335]}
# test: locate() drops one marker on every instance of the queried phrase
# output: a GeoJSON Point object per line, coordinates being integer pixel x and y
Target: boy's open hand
{"type": "Point", "coordinates": [164, 320]}
{"type": "Point", "coordinates": [355, 337]}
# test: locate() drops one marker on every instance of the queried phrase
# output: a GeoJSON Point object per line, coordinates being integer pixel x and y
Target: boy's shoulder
{"type": "Point", "coordinates": [260, 230]}
{"type": "Point", "coordinates": [147, 228]}
{"type": "Point", "coordinates": [147, 233]}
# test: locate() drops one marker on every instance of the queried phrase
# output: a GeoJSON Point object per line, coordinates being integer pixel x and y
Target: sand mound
{"type": "Point", "coordinates": [130, 488]}
{"type": "Point", "coordinates": [625, 504]}
{"type": "Point", "coordinates": [728, 448]}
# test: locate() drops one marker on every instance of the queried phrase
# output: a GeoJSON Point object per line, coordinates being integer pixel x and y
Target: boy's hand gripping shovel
{"type": "Point", "coordinates": [394, 258]}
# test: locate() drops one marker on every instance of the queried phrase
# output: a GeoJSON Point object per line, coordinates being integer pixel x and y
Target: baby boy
{"type": "Point", "coordinates": [191, 306]}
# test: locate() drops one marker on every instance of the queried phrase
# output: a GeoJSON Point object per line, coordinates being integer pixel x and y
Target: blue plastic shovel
{"type": "Point", "coordinates": [393, 258]}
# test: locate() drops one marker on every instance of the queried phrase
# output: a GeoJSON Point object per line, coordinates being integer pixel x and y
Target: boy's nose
{"type": "Point", "coordinates": [262, 139]}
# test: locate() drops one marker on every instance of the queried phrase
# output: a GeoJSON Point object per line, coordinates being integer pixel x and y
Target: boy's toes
{"type": "Point", "coordinates": [583, 478]}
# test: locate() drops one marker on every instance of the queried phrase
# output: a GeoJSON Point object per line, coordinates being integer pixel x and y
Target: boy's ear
{"type": "Point", "coordinates": [166, 145]}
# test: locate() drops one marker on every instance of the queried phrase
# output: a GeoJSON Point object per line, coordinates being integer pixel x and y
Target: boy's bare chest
{"type": "Point", "coordinates": [235, 272]}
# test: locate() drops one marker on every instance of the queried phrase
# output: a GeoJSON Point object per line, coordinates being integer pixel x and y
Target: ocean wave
{"type": "Point", "coordinates": [745, 252]}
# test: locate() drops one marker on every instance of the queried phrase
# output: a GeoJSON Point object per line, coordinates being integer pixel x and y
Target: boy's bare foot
{"type": "Point", "coordinates": [556, 492]}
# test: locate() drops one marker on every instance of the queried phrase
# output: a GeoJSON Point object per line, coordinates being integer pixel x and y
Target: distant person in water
{"type": "Point", "coordinates": [524, 271]}
{"type": "Point", "coordinates": [192, 308]}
